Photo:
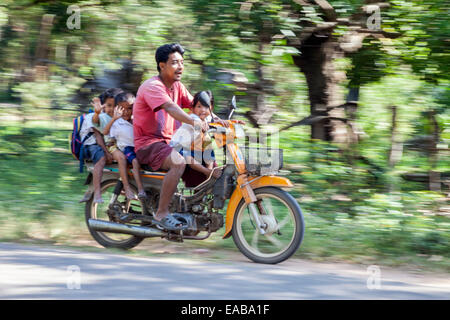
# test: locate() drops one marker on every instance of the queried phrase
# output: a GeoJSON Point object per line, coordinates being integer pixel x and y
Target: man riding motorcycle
{"type": "Point", "coordinates": [157, 114]}
{"type": "Point", "coordinates": [265, 221]}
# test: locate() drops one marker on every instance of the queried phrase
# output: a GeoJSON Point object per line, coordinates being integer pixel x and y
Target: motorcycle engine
{"type": "Point", "coordinates": [115, 211]}
{"type": "Point", "coordinates": [212, 221]}
{"type": "Point", "coordinates": [206, 222]}
{"type": "Point", "coordinates": [178, 204]}
{"type": "Point", "coordinates": [216, 221]}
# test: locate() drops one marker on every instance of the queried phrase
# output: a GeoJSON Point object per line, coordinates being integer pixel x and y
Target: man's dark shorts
{"type": "Point", "coordinates": [154, 154]}
{"type": "Point", "coordinates": [93, 152]}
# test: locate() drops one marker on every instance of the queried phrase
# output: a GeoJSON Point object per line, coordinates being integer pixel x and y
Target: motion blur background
{"type": "Point", "coordinates": [360, 96]}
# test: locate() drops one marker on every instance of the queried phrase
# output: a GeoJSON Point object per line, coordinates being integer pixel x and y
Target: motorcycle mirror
{"type": "Point", "coordinates": [204, 99]}
{"type": "Point", "coordinates": [232, 107]}
{"type": "Point", "coordinates": [233, 103]}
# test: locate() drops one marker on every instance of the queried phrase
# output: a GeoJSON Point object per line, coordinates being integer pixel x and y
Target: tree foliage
{"type": "Point", "coordinates": [289, 62]}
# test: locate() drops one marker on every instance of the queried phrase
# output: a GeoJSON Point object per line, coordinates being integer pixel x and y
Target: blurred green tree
{"type": "Point", "coordinates": [376, 36]}
{"type": "Point", "coordinates": [336, 45]}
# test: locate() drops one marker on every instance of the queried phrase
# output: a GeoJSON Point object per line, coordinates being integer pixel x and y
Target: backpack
{"type": "Point", "coordinates": [75, 141]}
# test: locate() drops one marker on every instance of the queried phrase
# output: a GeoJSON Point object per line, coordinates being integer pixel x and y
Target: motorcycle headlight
{"type": "Point", "coordinates": [239, 131]}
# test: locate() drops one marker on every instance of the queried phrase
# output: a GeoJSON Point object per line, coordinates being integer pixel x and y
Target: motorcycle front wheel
{"type": "Point", "coordinates": [284, 227]}
{"type": "Point", "coordinates": [99, 211]}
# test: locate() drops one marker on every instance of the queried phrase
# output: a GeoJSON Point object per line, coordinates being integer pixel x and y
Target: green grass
{"type": "Point", "coordinates": [40, 187]}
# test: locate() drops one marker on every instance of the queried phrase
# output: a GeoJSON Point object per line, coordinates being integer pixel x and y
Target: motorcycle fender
{"type": "Point", "coordinates": [258, 182]}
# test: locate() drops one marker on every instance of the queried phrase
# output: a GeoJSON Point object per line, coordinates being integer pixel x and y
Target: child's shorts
{"type": "Point", "coordinates": [112, 148]}
{"type": "Point", "coordinates": [93, 152]}
{"type": "Point", "coordinates": [129, 154]}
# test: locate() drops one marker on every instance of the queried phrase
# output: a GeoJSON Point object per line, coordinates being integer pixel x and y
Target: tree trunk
{"type": "Point", "coordinates": [261, 111]}
{"type": "Point", "coordinates": [316, 61]}
{"type": "Point", "coordinates": [396, 151]}
{"type": "Point", "coordinates": [435, 176]}
{"type": "Point", "coordinates": [42, 49]}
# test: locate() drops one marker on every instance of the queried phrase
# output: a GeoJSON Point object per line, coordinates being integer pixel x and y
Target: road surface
{"type": "Point", "coordinates": [46, 272]}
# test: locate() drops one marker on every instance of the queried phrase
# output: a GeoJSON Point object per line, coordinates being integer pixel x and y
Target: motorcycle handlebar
{"type": "Point", "coordinates": [214, 129]}
{"type": "Point", "coordinates": [218, 127]}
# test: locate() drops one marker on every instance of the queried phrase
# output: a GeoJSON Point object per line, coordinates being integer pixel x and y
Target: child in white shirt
{"type": "Point", "coordinates": [122, 131]}
{"type": "Point", "coordinates": [193, 144]}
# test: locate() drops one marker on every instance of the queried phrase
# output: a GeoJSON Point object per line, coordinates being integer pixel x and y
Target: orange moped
{"type": "Point", "coordinates": [265, 221]}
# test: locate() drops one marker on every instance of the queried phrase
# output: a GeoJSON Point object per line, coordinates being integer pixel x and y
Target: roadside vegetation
{"type": "Point", "coordinates": [349, 214]}
{"type": "Point", "coordinates": [359, 95]}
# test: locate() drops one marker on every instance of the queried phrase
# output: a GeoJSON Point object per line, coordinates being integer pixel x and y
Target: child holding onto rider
{"type": "Point", "coordinates": [121, 129]}
{"type": "Point", "coordinates": [195, 146]}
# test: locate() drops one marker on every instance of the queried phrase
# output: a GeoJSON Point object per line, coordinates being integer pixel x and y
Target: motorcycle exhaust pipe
{"type": "Point", "coordinates": [113, 227]}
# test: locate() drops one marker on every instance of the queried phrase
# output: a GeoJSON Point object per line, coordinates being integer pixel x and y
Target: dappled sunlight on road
{"type": "Point", "coordinates": [34, 272]}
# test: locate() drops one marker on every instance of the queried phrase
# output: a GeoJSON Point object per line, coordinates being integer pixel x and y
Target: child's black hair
{"type": "Point", "coordinates": [124, 96]}
{"type": "Point", "coordinates": [109, 93]}
{"type": "Point", "coordinates": [197, 96]}
{"type": "Point", "coordinates": [163, 52]}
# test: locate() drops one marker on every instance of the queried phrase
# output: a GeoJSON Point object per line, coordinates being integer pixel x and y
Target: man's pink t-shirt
{"type": "Point", "coordinates": [151, 123]}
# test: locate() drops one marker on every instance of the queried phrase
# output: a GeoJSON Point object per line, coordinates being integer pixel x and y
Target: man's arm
{"type": "Point", "coordinates": [175, 111]}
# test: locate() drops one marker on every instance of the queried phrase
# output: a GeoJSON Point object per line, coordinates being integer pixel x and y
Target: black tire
{"type": "Point", "coordinates": [251, 250]}
{"type": "Point", "coordinates": [107, 239]}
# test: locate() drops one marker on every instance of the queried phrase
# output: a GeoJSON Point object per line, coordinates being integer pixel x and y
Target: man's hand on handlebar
{"type": "Point", "coordinates": [201, 125]}
{"type": "Point", "coordinates": [224, 123]}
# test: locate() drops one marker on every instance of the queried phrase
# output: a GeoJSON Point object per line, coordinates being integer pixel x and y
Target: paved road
{"type": "Point", "coordinates": [44, 272]}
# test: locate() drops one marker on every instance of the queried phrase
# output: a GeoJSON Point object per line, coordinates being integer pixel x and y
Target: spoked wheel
{"type": "Point", "coordinates": [99, 211]}
{"type": "Point", "coordinates": [283, 220]}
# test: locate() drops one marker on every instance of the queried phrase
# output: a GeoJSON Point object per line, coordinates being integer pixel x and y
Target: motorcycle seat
{"type": "Point", "coordinates": [147, 170]}
{"type": "Point", "coordinates": [113, 167]}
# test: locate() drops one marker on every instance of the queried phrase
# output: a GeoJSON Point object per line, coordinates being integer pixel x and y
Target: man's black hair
{"type": "Point", "coordinates": [109, 93]}
{"type": "Point", "coordinates": [163, 52]}
{"type": "Point", "coordinates": [124, 96]}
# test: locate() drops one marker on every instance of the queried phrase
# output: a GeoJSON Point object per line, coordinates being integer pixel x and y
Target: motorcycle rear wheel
{"type": "Point", "coordinates": [98, 211]}
{"type": "Point", "coordinates": [285, 227]}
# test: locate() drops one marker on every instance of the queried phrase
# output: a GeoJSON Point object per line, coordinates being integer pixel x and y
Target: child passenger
{"type": "Point", "coordinates": [94, 149]}
{"type": "Point", "coordinates": [103, 101]}
{"type": "Point", "coordinates": [121, 129]}
{"type": "Point", "coordinates": [103, 121]}
{"type": "Point", "coordinates": [195, 146]}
